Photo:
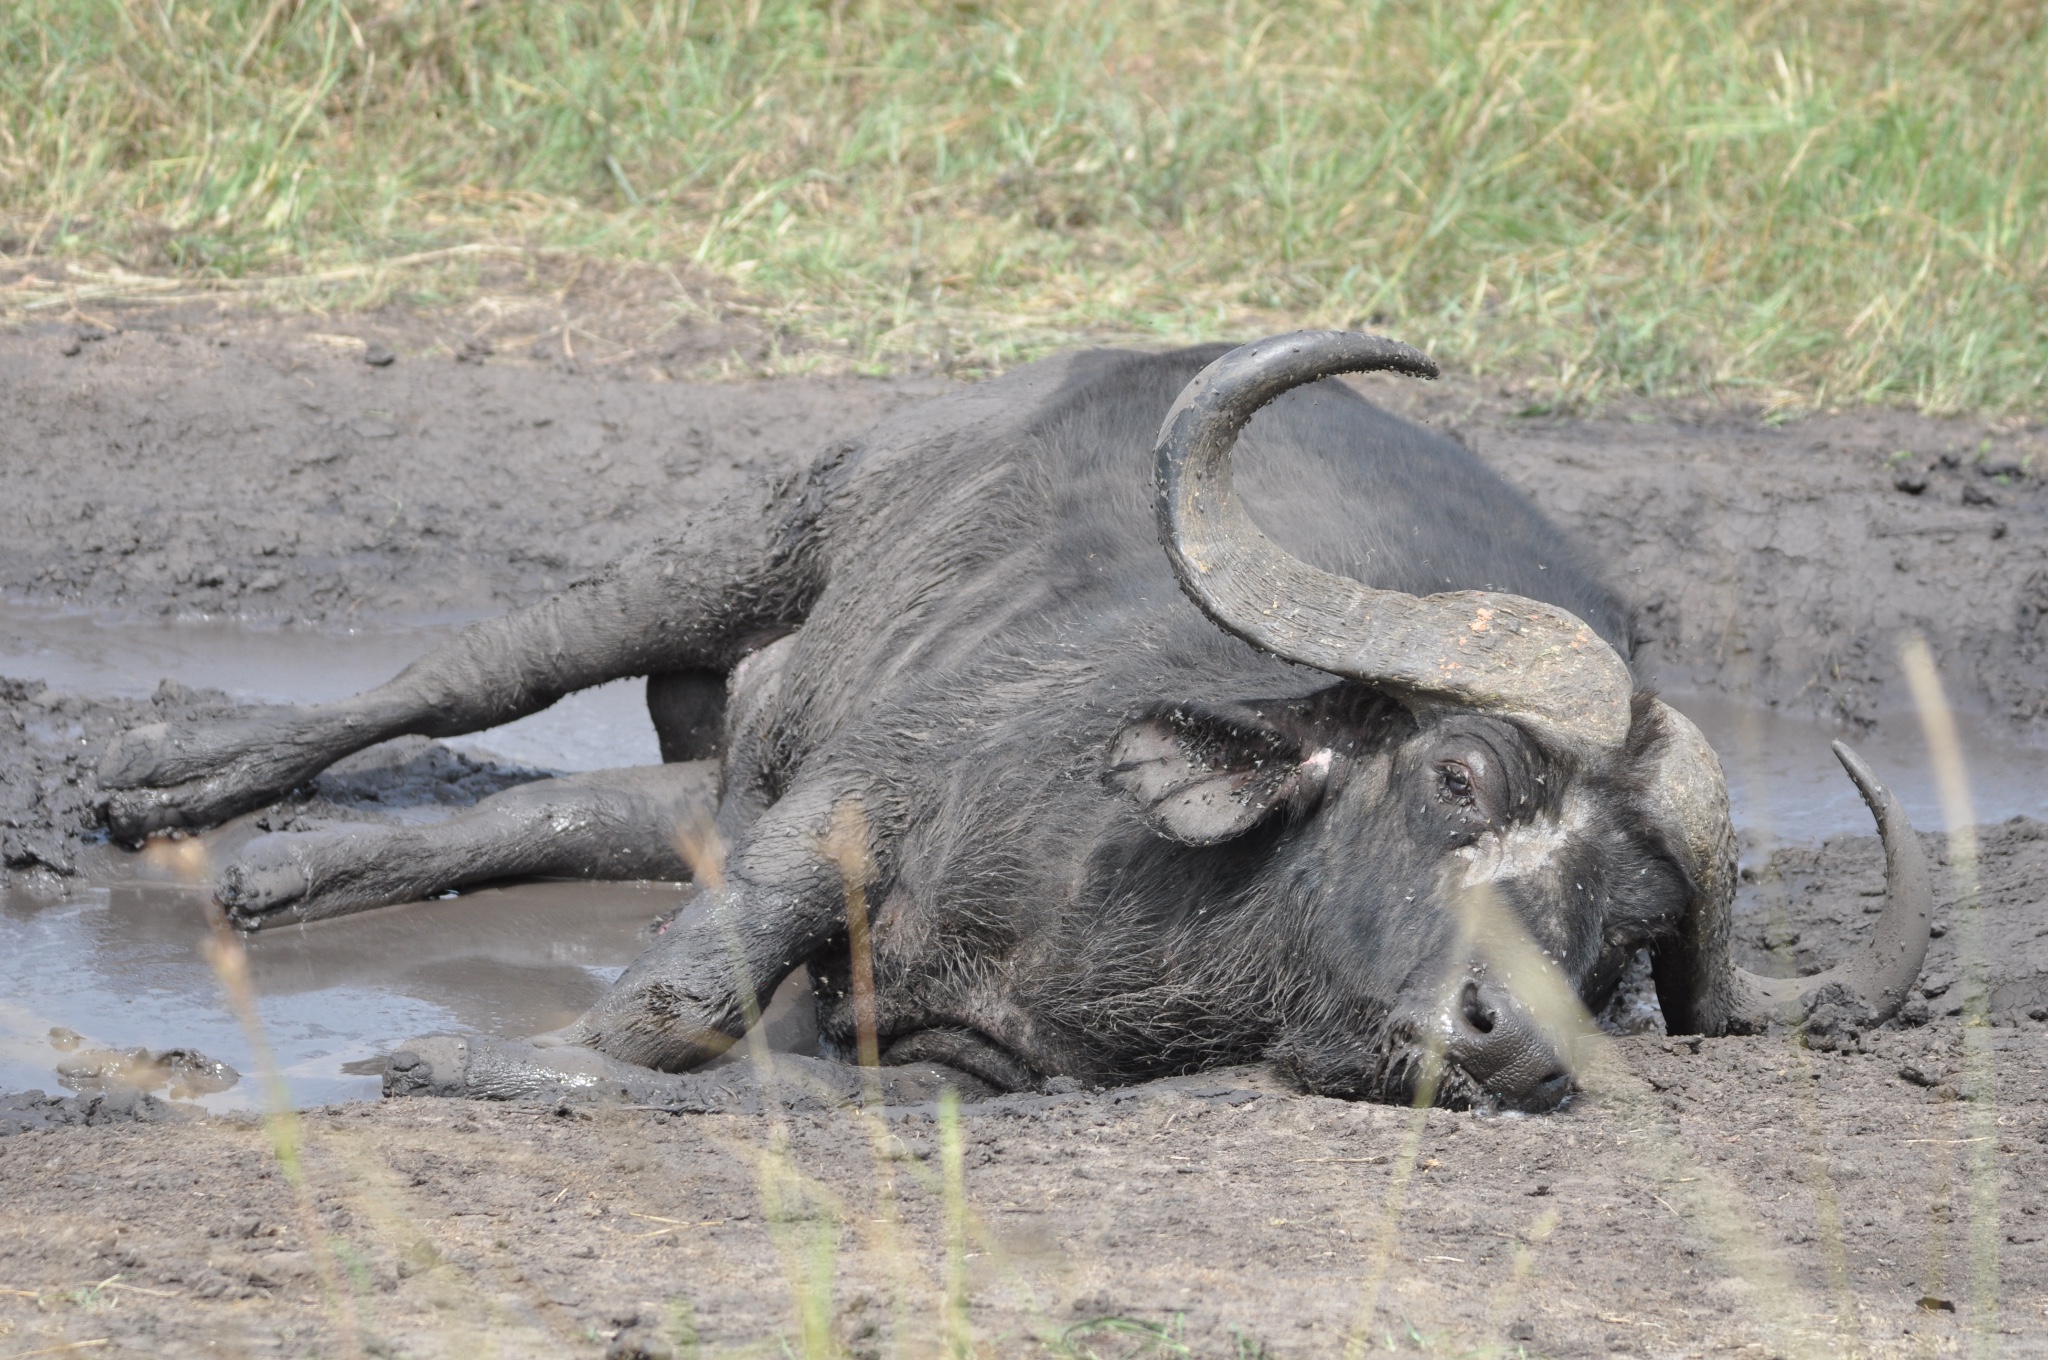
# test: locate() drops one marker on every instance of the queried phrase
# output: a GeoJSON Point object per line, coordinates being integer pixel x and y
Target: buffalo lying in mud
{"type": "Point", "coordinates": [1110, 812]}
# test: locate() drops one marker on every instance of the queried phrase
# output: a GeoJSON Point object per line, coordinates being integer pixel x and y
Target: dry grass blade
{"type": "Point", "coordinates": [954, 1326]}
{"type": "Point", "coordinates": [1951, 778]}
{"type": "Point", "coordinates": [846, 845]}
{"type": "Point", "coordinates": [65, 1349]}
{"type": "Point", "coordinates": [1427, 1082]}
{"type": "Point", "coordinates": [230, 962]}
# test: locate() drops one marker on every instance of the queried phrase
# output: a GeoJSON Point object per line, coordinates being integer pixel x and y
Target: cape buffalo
{"type": "Point", "coordinates": [1148, 770]}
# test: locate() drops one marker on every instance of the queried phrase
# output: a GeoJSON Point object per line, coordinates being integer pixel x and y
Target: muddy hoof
{"type": "Point", "coordinates": [258, 894]}
{"type": "Point", "coordinates": [482, 1068]}
{"type": "Point", "coordinates": [437, 1065]}
{"type": "Point", "coordinates": [135, 758]}
{"type": "Point", "coordinates": [178, 775]}
{"type": "Point", "coordinates": [459, 1065]}
{"type": "Point", "coordinates": [132, 814]}
{"type": "Point", "coordinates": [289, 877]}
{"type": "Point", "coordinates": [166, 754]}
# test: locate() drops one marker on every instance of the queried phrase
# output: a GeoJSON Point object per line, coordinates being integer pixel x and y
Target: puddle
{"type": "Point", "coordinates": [1786, 788]}
{"type": "Point", "coordinates": [121, 963]}
{"type": "Point", "coordinates": [117, 957]}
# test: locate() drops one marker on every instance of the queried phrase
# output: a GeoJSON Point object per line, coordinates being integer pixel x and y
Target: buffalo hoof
{"type": "Point", "coordinates": [199, 774]}
{"type": "Point", "coordinates": [485, 1068]}
{"type": "Point", "coordinates": [482, 1068]}
{"type": "Point", "coordinates": [294, 876]}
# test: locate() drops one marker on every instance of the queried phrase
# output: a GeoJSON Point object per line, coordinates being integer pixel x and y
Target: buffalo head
{"type": "Point", "coordinates": [1480, 811]}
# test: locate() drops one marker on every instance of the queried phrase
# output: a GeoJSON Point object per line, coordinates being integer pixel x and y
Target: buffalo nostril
{"type": "Point", "coordinates": [1478, 1015]}
{"type": "Point", "coordinates": [1550, 1092]}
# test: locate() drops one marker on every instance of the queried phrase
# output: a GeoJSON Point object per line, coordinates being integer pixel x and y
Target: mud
{"type": "Point", "coordinates": [1757, 1199]}
{"type": "Point", "coordinates": [23, 1111]}
{"type": "Point", "coordinates": [1804, 909]}
{"type": "Point", "coordinates": [1783, 561]}
{"type": "Point", "coordinates": [273, 475]}
{"type": "Point", "coordinates": [264, 472]}
{"type": "Point", "coordinates": [166, 491]}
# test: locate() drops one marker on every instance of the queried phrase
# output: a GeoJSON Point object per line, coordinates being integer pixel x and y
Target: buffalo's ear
{"type": "Point", "coordinates": [1202, 774]}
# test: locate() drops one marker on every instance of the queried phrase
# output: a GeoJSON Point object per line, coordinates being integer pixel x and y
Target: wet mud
{"type": "Point", "coordinates": [266, 473]}
{"type": "Point", "coordinates": [23, 1111]}
{"type": "Point", "coordinates": [1781, 562]}
{"type": "Point", "coordinates": [1737, 1196]}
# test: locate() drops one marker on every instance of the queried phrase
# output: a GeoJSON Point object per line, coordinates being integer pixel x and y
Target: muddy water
{"type": "Point", "coordinates": [122, 964]}
{"type": "Point", "coordinates": [117, 956]}
{"type": "Point", "coordinates": [1786, 787]}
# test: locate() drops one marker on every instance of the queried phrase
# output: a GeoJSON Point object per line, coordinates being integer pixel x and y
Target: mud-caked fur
{"type": "Point", "coordinates": [1098, 837]}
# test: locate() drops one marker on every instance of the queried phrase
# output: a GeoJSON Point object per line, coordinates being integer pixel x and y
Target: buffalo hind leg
{"type": "Point", "coordinates": [610, 824]}
{"type": "Point", "coordinates": [694, 603]}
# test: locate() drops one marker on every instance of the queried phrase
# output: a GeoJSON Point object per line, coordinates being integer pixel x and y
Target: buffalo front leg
{"type": "Point", "coordinates": [691, 994]}
{"type": "Point", "coordinates": [610, 824]}
{"type": "Point", "coordinates": [741, 572]}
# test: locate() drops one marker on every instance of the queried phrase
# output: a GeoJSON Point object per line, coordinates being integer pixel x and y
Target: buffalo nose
{"type": "Point", "coordinates": [1497, 1042]}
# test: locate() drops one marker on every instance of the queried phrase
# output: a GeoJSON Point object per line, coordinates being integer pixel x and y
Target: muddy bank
{"type": "Point", "coordinates": [1750, 1198]}
{"type": "Point", "coordinates": [1784, 560]}
{"type": "Point", "coordinates": [268, 472]}
{"type": "Point", "coordinates": [264, 470]}
{"type": "Point", "coordinates": [1806, 908]}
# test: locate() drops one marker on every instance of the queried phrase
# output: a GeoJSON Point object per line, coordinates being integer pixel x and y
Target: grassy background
{"type": "Point", "coordinates": [1824, 201]}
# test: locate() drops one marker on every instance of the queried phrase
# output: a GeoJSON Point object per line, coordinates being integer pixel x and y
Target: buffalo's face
{"type": "Point", "coordinates": [1535, 880]}
{"type": "Point", "coordinates": [1444, 882]}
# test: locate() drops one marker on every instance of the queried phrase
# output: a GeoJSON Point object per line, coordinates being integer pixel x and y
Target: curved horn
{"type": "Point", "coordinates": [1872, 983]}
{"type": "Point", "coordinates": [1503, 654]}
{"type": "Point", "coordinates": [1698, 985]}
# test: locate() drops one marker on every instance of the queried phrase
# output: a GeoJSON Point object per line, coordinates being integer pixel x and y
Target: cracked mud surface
{"type": "Point", "coordinates": [1750, 1198]}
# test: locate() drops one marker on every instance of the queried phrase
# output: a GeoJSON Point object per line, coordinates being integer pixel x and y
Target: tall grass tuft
{"type": "Point", "coordinates": [1820, 202]}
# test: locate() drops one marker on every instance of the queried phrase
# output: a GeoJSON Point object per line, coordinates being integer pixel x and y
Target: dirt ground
{"type": "Point", "coordinates": [1745, 1196]}
{"type": "Point", "coordinates": [1751, 1199]}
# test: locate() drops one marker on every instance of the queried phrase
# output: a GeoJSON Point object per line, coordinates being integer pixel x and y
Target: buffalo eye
{"type": "Point", "coordinates": [1470, 785]}
{"type": "Point", "coordinates": [1457, 781]}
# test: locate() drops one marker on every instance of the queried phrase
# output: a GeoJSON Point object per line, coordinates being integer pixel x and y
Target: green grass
{"type": "Point", "coordinates": [1821, 202]}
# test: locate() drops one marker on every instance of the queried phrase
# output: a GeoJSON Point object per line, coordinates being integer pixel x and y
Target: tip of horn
{"type": "Point", "coordinates": [1861, 775]}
